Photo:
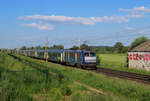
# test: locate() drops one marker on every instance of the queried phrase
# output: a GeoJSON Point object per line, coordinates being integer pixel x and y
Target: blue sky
{"type": "Point", "coordinates": [100, 22]}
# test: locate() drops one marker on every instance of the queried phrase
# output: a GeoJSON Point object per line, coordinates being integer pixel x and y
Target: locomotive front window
{"type": "Point", "coordinates": [86, 54]}
{"type": "Point", "coordinates": [92, 54]}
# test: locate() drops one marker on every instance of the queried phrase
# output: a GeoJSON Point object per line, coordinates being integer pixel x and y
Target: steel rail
{"type": "Point", "coordinates": [125, 75]}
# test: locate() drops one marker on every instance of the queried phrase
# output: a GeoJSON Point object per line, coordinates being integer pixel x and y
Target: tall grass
{"type": "Point", "coordinates": [123, 89]}
{"type": "Point", "coordinates": [22, 80]}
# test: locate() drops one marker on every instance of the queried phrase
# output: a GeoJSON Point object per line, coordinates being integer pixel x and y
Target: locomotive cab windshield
{"type": "Point", "coordinates": [90, 54]}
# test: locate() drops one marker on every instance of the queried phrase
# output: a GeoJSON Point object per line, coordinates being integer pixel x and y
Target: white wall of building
{"type": "Point", "coordinates": [139, 60]}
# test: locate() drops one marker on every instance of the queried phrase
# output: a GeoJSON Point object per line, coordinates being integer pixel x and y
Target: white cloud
{"type": "Point", "coordinates": [40, 26]}
{"type": "Point", "coordinates": [129, 28]}
{"type": "Point", "coordinates": [143, 32]}
{"type": "Point", "coordinates": [118, 19]}
{"type": "Point", "coordinates": [76, 20]}
{"type": "Point", "coordinates": [135, 16]}
{"type": "Point", "coordinates": [135, 13]}
{"type": "Point", "coordinates": [138, 12]}
{"type": "Point", "coordinates": [141, 9]}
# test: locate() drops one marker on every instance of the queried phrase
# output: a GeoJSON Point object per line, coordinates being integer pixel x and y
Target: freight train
{"type": "Point", "coordinates": [77, 58]}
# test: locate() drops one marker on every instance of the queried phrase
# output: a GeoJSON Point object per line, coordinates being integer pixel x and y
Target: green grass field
{"type": "Point", "coordinates": [113, 60]}
{"type": "Point", "coordinates": [65, 83]}
{"type": "Point", "coordinates": [113, 88]}
{"type": "Point", "coordinates": [23, 80]}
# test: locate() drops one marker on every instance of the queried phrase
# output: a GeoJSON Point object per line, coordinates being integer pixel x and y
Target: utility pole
{"type": "Point", "coordinates": [79, 43]}
{"type": "Point", "coordinates": [46, 49]}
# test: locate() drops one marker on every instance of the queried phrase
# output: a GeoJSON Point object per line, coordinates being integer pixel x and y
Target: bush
{"type": "Point", "coordinates": [66, 91]}
{"type": "Point", "coordinates": [60, 77]}
{"type": "Point", "coordinates": [98, 60]}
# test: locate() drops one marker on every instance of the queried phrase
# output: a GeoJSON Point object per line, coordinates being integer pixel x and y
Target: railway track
{"type": "Point", "coordinates": [125, 75]}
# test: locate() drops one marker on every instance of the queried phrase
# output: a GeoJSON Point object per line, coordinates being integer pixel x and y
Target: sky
{"type": "Point", "coordinates": [96, 22]}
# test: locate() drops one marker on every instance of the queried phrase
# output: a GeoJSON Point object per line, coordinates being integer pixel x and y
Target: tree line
{"type": "Point", "coordinates": [42, 47]}
{"type": "Point", "coordinates": [118, 47]}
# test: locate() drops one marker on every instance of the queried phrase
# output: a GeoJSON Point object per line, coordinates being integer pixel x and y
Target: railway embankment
{"type": "Point", "coordinates": [118, 88]}
{"type": "Point", "coordinates": [25, 79]}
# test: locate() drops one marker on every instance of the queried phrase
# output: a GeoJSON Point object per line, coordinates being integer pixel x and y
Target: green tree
{"type": "Point", "coordinates": [32, 47]}
{"type": "Point", "coordinates": [57, 47]}
{"type": "Point", "coordinates": [74, 48]}
{"type": "Point", "coordinates": [23, 48]}
{"type": "Point", "coordinates": [125, 49]}
{"type": "Point", "coordinates": [109, 49]}
{"type": "Point", "coordinates": [38, 47]}
{"type": "Point", "coordinates": [118, 47]}
{"type": "Point", "coordinates": [138, 41]}
{"type": "Point", "coordinates": [84, 47]}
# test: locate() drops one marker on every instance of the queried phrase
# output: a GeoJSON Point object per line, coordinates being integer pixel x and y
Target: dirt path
{"type": "Point", "coordinates": [92, 89]}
